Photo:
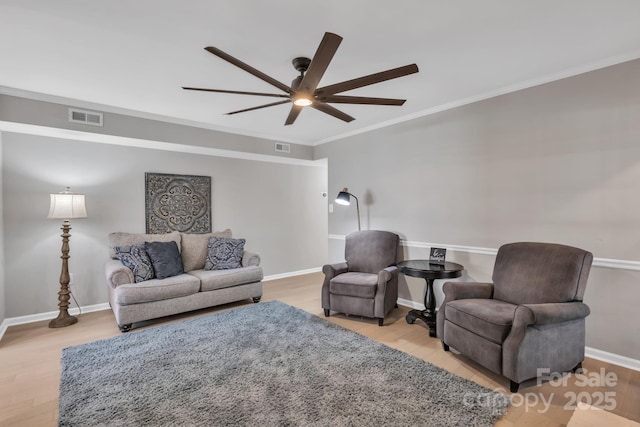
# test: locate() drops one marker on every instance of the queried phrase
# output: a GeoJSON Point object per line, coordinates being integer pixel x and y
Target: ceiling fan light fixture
{"type": "Point", "coordinates": [302, 101]}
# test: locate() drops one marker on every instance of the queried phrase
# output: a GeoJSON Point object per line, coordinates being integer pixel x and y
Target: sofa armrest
{"type": "Point", "coordinates": [250, 258]}
{"type": "Point", "coordinates": [332, 270]}
{"type": "Point", "coordinates": [117, 273]}
{"type": "Point", "coordinates": [549, 313]}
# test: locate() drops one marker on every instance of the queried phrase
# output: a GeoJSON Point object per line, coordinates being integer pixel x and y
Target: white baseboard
{"type": "Point", "coordinates": [31, 318]}
{"type": "Point", "coordinates": [593, 353]}
{"type": "Point", "coordinates": [292, 274]}
{"type": "Point", "coordinates": [614, 359]}
{"type": "Point", "coordinates": [411, 304]}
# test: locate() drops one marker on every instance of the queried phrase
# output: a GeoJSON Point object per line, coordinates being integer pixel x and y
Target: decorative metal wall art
{"type": "Point", "coordinates": [177, 203]}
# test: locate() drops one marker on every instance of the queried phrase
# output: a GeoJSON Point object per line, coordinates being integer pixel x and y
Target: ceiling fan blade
{"type": "Point", "coordinates": [321, 59]}
{"type": "Point", "coordinates": [328, 109]}
{"type": "Point", "coordinates": [342, 99]}
{"type": "Point", "coordinates": [238, 92]}
{"type": "Point", "coordinates": [367, 80]}
{"type": "Point", "coordinates": [248, 68]}
{"type": "Point", "coordinates": [293, 114]}
{"type": "Point", "coordinates": [259, 107]}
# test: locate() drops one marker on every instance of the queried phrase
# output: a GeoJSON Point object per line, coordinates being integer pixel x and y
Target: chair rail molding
{"type": "Point", "coordinates": [619, 264]}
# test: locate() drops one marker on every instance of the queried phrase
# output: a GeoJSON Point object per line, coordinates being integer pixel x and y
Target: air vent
{"type": "Point", "coordinates": [85, 117]}
{"type": "Point", "coordinates": [281, 147]}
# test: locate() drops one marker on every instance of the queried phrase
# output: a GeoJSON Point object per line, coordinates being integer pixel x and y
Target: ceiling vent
{"type": "Point", "coordinates": [281, 147]}
{"type": "Point", "coordinates": [85, 117]}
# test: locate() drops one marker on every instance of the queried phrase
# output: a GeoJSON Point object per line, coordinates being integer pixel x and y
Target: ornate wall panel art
{"type": "Point", "coordinates": [177, 203]}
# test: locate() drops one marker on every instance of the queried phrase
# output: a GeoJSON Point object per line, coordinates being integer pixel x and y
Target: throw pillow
{"type": "Point", "coordinates": [194, 248]}
{"type": "Point", "coordinates": [128, 239]}
{"type": "Point", "coordinates": [165, 258]}
{"type": "Point", "coordinates": [224, 254]}
{"type": "Point", "coordinates": [135, 257]}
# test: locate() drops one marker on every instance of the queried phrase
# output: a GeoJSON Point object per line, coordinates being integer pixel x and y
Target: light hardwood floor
{"type": "Point", "coordinates": [30, 363]}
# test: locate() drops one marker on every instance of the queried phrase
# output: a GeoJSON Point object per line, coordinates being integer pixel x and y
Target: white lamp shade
{"type": "Point", "coordinates": [67, 206]}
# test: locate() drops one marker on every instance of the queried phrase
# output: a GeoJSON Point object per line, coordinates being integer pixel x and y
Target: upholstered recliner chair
{"type": "Point", "coordinates": [531, 317]}
{"type": "Point", "coordinates": [367, 283]}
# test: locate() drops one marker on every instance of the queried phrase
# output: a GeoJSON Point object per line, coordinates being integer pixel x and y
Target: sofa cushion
{"type": "Point", "coordinates": [156, 289]}
{"type": "Point", "coordinates": [218, 279]}
{"type": "Point", "coordinates": [361, 285]}
{"type": "Point", "coordinates": [488, 318]}
{"type": "Point", "coordinates": [194, 248]}
{"type": "Point", "coordinates": [128, 239]}
{"type": "Point", "coordinates": [136, 259]}
{"type": "Point", "coordinates": [223, 253]}
{"type": "Point", "coordinates": [165, 258]}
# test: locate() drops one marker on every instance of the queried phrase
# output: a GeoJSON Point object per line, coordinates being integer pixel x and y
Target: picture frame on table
{"type": "Point", "coordinates": [437, 256]}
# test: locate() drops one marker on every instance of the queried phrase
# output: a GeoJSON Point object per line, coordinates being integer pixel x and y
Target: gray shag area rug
{"type": "Point", "coordinates": [267, 364]}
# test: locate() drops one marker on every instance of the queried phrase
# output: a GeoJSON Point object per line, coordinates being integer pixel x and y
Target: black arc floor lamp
{"type": "Point", "coordinates": [65, 206]}
{"type": "Point", "coordinates": [344, 198]}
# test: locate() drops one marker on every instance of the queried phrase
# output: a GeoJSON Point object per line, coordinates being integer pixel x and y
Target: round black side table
{"type": "Point", "coordinates": [429, 272]}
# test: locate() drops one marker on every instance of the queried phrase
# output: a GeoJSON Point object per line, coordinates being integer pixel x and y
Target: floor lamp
{"type": "Point", "coordinates": [65, 206]}
{"type": "Point", "coordinates": [344, 198]}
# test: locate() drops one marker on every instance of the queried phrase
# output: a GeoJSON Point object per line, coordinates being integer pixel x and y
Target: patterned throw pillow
{"type": "Point", "coordinates": [135, 257]}
{"type": "Point", "coordinates": [223, 253]}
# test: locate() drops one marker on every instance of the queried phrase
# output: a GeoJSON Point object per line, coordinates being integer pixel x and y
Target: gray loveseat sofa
{"type": "Point", "coordinates": [134, 299]}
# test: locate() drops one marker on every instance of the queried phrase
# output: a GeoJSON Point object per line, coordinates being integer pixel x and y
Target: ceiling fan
{"type": "Point", "coordinates": [304, 90]}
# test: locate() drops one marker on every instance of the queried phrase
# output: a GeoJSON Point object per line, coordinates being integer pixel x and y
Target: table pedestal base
{"type": "Point", "coordinates": [429, 272]}
{"type": "Point", "coordinates": [427, 316]}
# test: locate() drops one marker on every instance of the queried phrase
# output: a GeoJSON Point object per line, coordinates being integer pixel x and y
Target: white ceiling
{"type": "Point", "coordinates": [136, 55]}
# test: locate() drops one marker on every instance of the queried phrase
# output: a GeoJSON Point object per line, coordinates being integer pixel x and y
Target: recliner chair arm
{"type": "Point", "coordinates": [464, 290]}
{"type": "Point", "coordinates": [387, 294]}
{"type": "Point", "coordinates": [536, 315]}
{"type": "Point", "coordinates": [332, 270]}
{"type": "Point", "coordinates": [387, 274]}
{"type": "Point", "coordinates": [545, 314]}
{"type": "Point", "coordinates": [384, 276]}
{"type": "Point", "coordinates": [460, 290]}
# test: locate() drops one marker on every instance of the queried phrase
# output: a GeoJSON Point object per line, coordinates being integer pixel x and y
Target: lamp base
{"type": "Point", "coordinates": [63, 319]}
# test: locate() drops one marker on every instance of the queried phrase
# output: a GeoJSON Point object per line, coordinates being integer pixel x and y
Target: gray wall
{"type": "Point", "coordinates": [277, 207]}
{"type": "Point", "coordinates": [558, 163]}
{"type": "Point", "coordinates": [2, 269]}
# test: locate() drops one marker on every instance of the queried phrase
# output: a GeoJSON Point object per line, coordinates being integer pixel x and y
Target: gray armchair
{"type": "Point", "coordinates": [367, 283]}
{"type": "Point", "coordinates": [531, 317]}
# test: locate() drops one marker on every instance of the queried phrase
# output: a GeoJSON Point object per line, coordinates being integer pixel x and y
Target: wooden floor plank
{"type": "Point", "coordinates": [30, 361]}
